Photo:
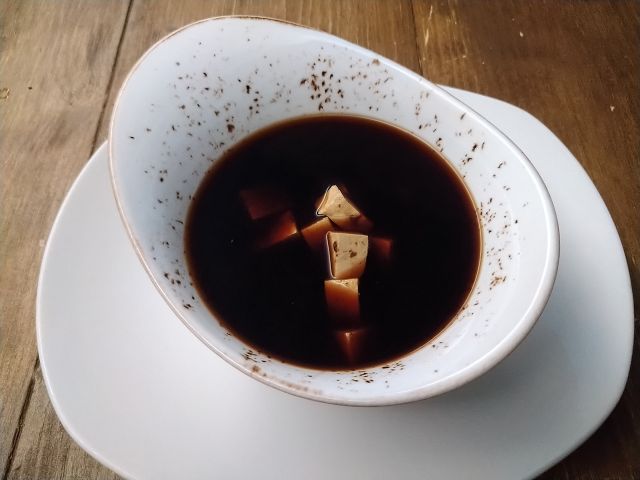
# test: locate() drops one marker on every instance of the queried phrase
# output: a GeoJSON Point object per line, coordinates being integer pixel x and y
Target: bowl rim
{"type": "Point", "coordinates": [462, 376]}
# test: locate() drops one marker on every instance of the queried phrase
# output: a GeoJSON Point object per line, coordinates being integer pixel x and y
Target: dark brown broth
{"type": "Point", "coordinates": [273, 299]}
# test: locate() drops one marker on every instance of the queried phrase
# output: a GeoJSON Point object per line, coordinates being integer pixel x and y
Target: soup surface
{"type": "Point", "coordinates": [271, 280]}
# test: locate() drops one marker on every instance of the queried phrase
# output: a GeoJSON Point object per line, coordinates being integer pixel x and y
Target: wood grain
{"type": "Point", "coordinates": [55, 67]}
{"type": "Point", "coordinates": [568, 63]}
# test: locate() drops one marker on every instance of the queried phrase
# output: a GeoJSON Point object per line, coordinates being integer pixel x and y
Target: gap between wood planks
{"type": "Point", "coordinates": [23, 411]}
{"type": "Point", "coordinates": [414, 23]}
{"type": "Point", "coordinates": [111, 77]}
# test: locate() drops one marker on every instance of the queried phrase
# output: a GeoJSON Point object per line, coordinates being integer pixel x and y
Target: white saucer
{"type": "Point", "coordinates": [146, 398]}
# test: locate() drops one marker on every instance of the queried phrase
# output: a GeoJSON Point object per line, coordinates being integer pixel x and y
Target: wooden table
{"type": "Point", "coordinates": [573, 64]}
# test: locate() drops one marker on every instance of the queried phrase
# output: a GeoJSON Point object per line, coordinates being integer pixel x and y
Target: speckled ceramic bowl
{"type": "Point", "coordinates": [208, 85]}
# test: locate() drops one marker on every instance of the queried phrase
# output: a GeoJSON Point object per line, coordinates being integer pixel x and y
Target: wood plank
{"type": "Point", "coordinates": [44, 450]}
{"type": "Point", "coordinates": [55, 69]}
{"type": "Point", "coordinates": [587, 93]}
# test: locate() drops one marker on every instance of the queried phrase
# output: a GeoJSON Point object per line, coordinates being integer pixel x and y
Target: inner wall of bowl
{"type": "Point", "coordinates": [208, 86]}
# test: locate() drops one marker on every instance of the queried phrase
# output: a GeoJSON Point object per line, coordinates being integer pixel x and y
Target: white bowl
{"type": "Point", "coordinates": [172, 120]}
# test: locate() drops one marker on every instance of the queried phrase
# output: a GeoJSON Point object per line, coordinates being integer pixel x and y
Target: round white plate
{"type": "Point", "coordinates": [146, 398]}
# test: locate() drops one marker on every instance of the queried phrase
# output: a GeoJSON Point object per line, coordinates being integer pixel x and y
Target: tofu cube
{"type": "Point", "coordinates": [342, 212]}
{"type": "Point", "coordinates": [315, 234]}
{"type": "Point", "coordinates": [352, 342]}
{"type": "Point", "coordinates": [262, 202]}
{"type": "Point", "coordinates": [343, 301]}
{"type": "Point", "coordinates": [278, 229]}
{"type": "Point", "coordinates": [347, 254]}
{"type": "Point", "coordinates": [381, 248]}
{"type": "Point", "coordinates": [341, 188]}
